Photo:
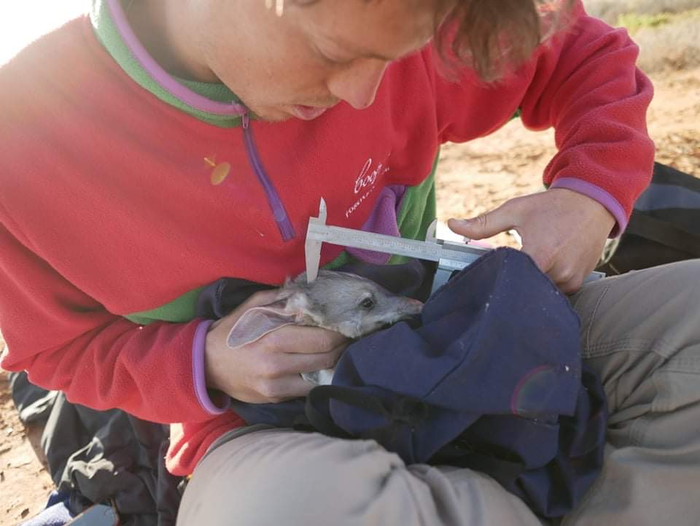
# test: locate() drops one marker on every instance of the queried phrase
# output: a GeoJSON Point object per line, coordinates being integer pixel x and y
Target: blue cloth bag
{"type": "Point", "coordinates": [491, 379]}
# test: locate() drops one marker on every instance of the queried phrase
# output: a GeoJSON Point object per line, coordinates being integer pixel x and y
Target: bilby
{"type": "Point", "coordinates": [338, 301]}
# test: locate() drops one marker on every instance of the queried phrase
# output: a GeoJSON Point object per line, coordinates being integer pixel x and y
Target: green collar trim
{"type": "Point", "coordinates": [108, 34]}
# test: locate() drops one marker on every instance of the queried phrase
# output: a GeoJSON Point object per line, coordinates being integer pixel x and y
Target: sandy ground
{"type": "Point", "coordinates": [479, 176]}
{"type": "Point", "coordinates": [473, 179]}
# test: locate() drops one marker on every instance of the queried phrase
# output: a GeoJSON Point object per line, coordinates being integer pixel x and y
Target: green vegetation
{"type": "Point", "coordinates": [611, 10]}
{"type": "Point", "coordinates": [633, 22]}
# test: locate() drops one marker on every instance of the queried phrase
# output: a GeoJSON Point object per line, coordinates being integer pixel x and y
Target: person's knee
{"type": "Point", "coordinates": [287, 478]}
{"type": "Point", "coordinates": [675, 292]}
{"type": "Point", "coordinates": [653, 307]}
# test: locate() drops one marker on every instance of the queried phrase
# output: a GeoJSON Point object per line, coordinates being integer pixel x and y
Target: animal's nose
{"type": "Point", "coordinates": [415, 303]}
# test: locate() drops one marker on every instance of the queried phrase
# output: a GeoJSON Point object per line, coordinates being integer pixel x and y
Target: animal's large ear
{"type": "Point", "coordinates": [257, 322]}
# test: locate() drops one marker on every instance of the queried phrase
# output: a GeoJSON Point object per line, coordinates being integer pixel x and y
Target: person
{"type": "Point", "coordinates": [154, 147]}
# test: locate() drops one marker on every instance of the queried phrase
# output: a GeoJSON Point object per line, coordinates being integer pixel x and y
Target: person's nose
{"type": "Point", "coordinates": [358, 84]}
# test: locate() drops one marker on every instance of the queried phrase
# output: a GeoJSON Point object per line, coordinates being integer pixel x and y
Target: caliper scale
{"type": "Point", "coordinates": [448, 255]}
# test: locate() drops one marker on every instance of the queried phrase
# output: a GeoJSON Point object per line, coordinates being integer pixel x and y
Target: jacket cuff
{"type": "Point", "coordinates": [200, 384]}
{"type": "Point", "coordinates": [598, 194]}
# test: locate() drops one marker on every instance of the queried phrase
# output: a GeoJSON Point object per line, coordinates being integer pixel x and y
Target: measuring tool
{"type": "Point", "coordinates": [449, 256]}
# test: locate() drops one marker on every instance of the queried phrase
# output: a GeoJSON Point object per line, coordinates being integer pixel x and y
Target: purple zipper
{"type": "Point", "coordinates": [278, 211]}
{"type": "Point", "coordinates": [201, 103]}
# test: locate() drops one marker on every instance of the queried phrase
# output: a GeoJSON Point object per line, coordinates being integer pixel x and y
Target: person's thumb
{"type": "Point", "coordinates": [485, 225]}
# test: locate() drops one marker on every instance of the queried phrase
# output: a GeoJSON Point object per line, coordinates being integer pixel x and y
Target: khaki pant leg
{"type": "Point", "coordinates": [641, 333]}
{"type": "Point", "coordinates": [281, 477]}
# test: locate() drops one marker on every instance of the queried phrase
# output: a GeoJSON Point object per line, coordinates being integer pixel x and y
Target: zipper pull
{"type": "Point", "coordinates": [246, 120]}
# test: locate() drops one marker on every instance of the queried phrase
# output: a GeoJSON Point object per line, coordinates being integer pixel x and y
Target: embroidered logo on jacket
{"type": "Point", "coordinates": [366, 182]}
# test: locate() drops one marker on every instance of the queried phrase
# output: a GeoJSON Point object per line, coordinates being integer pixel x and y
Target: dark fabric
{"type": "Point", "coordinates": [549, 462]}
{"type": "Point", "coordinates": [224, 295]}
{"type": "Point", "coordinates": [99, 456]}
{"type": "Point", "coordinates": [32, 403]}
{"type": "Point", "coordinates": [664, 226]}
{"type": "Point", "coordinates": [56, 512]}
{"type": "Point", "coordinates": [491, 379]}
{"type": "Point", "coordinates": [413, 279]}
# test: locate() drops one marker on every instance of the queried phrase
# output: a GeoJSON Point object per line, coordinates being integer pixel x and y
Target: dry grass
{"type": "Point", "coordinates": [611, 10]}
{"type": "Point", "coordinates": [667, 31]}
{"type": "Point", "coordinates": [672, 46]}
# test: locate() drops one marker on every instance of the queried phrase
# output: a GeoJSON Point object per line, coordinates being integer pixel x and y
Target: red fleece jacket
{"type": "Point", "coordinates": [107, 209]}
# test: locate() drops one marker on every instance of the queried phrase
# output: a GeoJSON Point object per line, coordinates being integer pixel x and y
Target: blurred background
{"type": "Point", "coordinates": [472, 179]}
{"type": "Point", "coordinates": [667, 31]}
{"type": "Point", "coordinates": [26, 20]}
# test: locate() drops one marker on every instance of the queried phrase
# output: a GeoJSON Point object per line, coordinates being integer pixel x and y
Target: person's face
{"type": "Point", "coordinates": [313, 56]}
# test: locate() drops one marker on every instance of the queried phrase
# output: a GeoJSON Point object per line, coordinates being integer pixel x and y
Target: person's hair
{"type": "Point", "coordinates": [491, 36]}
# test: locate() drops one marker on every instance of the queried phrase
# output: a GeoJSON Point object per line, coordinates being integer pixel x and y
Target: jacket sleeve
{"type": "Point", "coordinates": [190, 441]}
{"type": "Point", "coordinates": [583, 82]}
{"type": "Point", "coordinates": [67, 341]}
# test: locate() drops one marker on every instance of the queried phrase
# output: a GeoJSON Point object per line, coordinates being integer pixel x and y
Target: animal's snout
{"type": "Point", "coordinates": [415, 306]}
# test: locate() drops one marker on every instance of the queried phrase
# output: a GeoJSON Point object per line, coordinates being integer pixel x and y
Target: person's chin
{"type": "Point", "coordinates": [272, 115]}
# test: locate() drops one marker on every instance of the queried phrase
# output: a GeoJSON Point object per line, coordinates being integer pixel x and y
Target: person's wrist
{"type": "Point", "coordinates": [594, 208]}
{"type": "Point", "coordinates": [208, 358]}
{"type": "Point", "coordinates": [204, 379]}
{"type": "Point", "coordinates": [611, 205]}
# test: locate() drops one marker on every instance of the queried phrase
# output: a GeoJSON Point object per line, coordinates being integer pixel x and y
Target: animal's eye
{"type": "Point", "coordinates": [367, 303]}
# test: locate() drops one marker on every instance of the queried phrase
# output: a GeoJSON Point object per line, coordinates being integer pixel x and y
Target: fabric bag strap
{"type": "Point", "coordinates": [664, 233]}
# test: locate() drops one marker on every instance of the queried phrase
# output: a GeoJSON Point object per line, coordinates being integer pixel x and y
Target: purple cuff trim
{"type": "Point", "coordinates": [604, 198]}
{"type": "Point", "coordinates": [161, 76]}
{"type": "Point", "coordinates": [200, 385]}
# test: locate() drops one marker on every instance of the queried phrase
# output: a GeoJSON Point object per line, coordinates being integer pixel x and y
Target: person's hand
{"type": "Point", "coordinates": [268, 370]}
{"type": "Point", "coordinates": [563, 231]}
